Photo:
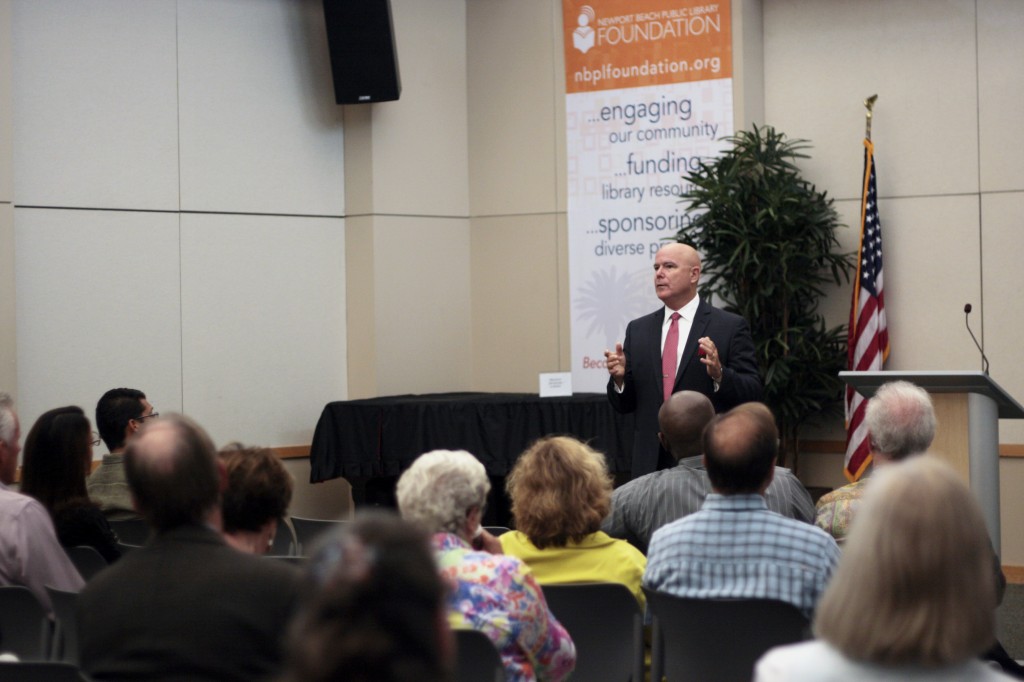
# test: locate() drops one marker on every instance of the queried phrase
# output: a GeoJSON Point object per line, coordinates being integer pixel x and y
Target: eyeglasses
{"type": "Point", "coordinates": [144, 417]}
{"type": "Point", "coordinates": [95, 439]}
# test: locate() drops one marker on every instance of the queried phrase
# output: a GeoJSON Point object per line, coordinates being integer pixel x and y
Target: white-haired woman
{"type": "Point", "coordinates": [914, 596]}
{"type": "Point", "coordinates": [445, 491]}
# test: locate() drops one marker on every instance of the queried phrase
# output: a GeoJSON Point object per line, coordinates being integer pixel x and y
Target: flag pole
{"type": "Point", "coordinates": [869, 104]}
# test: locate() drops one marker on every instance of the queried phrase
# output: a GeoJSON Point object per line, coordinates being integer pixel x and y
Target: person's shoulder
{"type": "Point", "coordinates": [665, 534]}
{"type": "Point", "coordinates": [18, 505]}
{"type": "Point", "coordinates": [14, 500]}
{"type": "Point", "coordinates": [649, 318]}
{"type": "Point", "coordinates": [720, 314]}
{"type": "Point", "coordinates": [846, 493]}
{"type": "Point", "coordinates": [798, 662]}
{"type": "Point", "coordinates": [636, 487]}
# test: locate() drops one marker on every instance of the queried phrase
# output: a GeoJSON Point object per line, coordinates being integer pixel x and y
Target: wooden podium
{"type": "Point", "coordinates": [968, 407]}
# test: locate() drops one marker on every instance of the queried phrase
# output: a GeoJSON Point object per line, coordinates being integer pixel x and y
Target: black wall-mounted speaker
{"type": "Point", "coordinates": [364, 61]}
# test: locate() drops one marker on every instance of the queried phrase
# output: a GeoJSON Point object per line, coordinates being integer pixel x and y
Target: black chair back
{"type": "Point", "coordinates": [307, 530]}
{"type": "Point", "coordinates": [284, 540]}
{"type": "Point", "coordinates": [87, 560]}
{"type": "Point", "coordinates": [718, 640]}
{"type": "Point", "coordinates": [496, 531]}
{"type": "Point", "coordinates": [24, 625]}
{"type": "Point", "coordinates": [606, 625]}
{"type": "Point", "coordinates": [40, 672]}
{"type": "Point", "coordinates": [476, 658]}
{"type": "Point", "coordinates": [65, 635]}
{"type": "Point", "coordinates": [131, 531]}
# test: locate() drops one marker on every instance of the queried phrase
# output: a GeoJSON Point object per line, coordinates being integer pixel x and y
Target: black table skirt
{"type": "Point", "coordinates": [382, 436]}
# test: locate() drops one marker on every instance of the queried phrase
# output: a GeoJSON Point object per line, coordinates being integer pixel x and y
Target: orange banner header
{"type": "Point", "coordinates": [612, 44]}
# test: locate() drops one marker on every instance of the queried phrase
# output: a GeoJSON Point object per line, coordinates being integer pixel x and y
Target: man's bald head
{"type": "Point", "coordinates": [683, 252]}
{"type": "Point", "coordinates": [740, 448]}
{"type": "Point", "coordinates": [681, 421]}
{"type": "Point", "coordinates": [172, 472]}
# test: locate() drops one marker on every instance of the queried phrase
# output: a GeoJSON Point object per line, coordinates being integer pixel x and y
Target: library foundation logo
{"type": "Point", "coordinates": [583, 36]}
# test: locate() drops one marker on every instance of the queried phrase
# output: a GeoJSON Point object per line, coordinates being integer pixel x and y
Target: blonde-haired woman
{"type": "Point", "coordinates": [914, 596]}
{"type": "Point", "coordinates": [561, 492]}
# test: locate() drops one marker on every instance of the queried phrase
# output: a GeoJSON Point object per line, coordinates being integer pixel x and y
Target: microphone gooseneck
{"type": "Point", "coordinates": [981, 349]}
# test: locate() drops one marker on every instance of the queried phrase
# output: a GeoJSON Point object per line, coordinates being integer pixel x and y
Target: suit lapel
{"type": "Point", "coordinates": [657, 319]}
{"type": "Point", "coordinates": [700, 324]}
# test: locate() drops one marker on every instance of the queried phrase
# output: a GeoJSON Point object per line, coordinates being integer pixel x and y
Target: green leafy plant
{"type": "Point", "coordinates": [768, 241]}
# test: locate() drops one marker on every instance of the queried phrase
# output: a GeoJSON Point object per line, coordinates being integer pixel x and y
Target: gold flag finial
{"type": "Point", "coordinates": [869, 104]}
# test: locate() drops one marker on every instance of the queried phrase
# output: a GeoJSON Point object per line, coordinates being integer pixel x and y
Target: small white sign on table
{"type": "Point", "coordinates": [555, 384]}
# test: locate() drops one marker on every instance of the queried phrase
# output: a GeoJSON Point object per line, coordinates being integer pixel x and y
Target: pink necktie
{"type": "Point", "coordinates": [668, 356]}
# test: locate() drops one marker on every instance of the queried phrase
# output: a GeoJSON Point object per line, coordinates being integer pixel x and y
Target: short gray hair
{"type": "Point", "coordinates": [900, 420]}
{"type": "Point", "coordinates": [440, 487]}
{"type": "Point", "coordinates": [7, 419]}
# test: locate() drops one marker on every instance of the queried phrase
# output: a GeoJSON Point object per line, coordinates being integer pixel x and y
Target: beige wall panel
{"type": "Point", "coordinates": [422, 296]}
{"type": "Point", "coordinates": [263, 327]}
{"type": "Point", "coordinates": [511, 106]}
{"type": "Point", "coordinates": [561, 168]}
{"type": "Point", "coordinates": [822, 469]}
{"type": "Point", "coordinates": [260, 132]}
{"type": "Point", "coordinates": [515, 301]}
{"type": "Point", "coordinates": [931, 270]}
{"type": "Point", "coordinates": [98, 307]}
{"type": "Point", "coordinates": [564, 306]}
{"type": "Point", "coordinates": [420, 162]}
{"type": "Point", "coordinates": [823, 57]}
{"type": "Point", "coordinates": [748, 63]}
{"type": "Point", "coordinates": [95, 104]}
{"type": "Point", "coordinates": [1003, 311]}
{"type": "Point", "coordinates": [1011, 503]}
{"type": "Point", "coordinates": [360, 308]}
{"type": "Point", "coordinates": [8, 315]}
{"type": "Point", "coordinates": [1001, 93]}
{"type": "Point", "coordinates": [328, 500]}
{"type": "Point", "coordinates": [6, 105]}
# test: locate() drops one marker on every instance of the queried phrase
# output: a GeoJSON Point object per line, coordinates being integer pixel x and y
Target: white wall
{"type": "Point", "coordinates": [178, 187]}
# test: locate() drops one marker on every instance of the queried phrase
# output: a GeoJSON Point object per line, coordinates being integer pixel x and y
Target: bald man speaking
{"type": "Point", "coordinates": [686, 345]}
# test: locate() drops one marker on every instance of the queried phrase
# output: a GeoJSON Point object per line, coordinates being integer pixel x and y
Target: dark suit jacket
{"type": "Point", "coordinates": [642, 389]}
{"type": "Point", "coordinates": [186, 606]}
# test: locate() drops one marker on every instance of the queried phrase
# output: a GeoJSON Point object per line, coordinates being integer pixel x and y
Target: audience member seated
{"type": "Point", "coordinates": [445, 491]}
{"type": "Point", "coordinates": [120, 412]}
{"type": "Point", "coordinates": [914, 596]}
{"type": "Point", "coordinates": [55, 461]}
{"type": "Point", "coordinates": [645, 504]}
{"type": "Point", "coordinates": [560, 491]}
{"type": "Point", "coordinates": [256, 498]}
{"type": "Point", "coordinates": [901, 423]}
{"type": "Point", "coordinates": [184, 606]}
{"type": "Point", "coordinates": [30, 555]}
{"type": "Point", "coordinates": [900, 420]}
{"type": "Point", "coordinates": [373, 608]}
{"type": "Point", "coordinates": [735, 547]}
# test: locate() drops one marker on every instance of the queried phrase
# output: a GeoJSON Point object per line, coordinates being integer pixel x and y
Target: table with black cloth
{"type": "Point", "coordinates": [376, 439]}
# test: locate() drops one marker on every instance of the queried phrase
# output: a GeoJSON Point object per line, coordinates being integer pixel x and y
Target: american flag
{"type": "Point", "coordinates": [868, 345]}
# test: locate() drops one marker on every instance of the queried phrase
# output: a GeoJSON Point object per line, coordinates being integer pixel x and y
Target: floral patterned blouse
{"type": "Point", "coordinates": [498, 595]}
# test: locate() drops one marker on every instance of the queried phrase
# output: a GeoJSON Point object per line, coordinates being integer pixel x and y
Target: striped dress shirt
{"type": "Point", "coordinates": [734, 547]}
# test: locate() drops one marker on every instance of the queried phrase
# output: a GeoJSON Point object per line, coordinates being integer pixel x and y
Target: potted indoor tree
{"type": "Point", "coordinates": [769, 247]}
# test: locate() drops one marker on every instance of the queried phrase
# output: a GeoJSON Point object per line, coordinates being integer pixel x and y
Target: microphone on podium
{"type": "Point", "coordinates": [981, 349]}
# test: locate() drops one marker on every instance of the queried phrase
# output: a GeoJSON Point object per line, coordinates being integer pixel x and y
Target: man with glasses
{"type": "Point", "coordinates": [119, 414]}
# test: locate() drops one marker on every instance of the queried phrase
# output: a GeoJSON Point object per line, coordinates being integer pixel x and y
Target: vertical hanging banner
{"type": "Point", "coordinates": [648, 96]}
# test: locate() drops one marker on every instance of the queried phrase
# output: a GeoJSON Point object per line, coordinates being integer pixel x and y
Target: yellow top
{"type": "Point", "coordinates": [597, 558]}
